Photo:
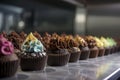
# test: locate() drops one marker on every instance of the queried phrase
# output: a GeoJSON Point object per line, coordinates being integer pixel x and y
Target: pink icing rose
{"type": "Point", "coordinates": [6, 47]}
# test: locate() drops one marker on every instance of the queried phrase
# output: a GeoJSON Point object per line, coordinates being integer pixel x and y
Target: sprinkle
{"type": "Point", "coordinates": [33, 54]}
{"type": "Point", "coordinates": [44, 53]}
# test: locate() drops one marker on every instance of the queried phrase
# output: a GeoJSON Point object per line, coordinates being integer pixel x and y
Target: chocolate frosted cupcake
{"type": "Point", "coordinates": [8, 60]}
{"type": "Point", "coordinates": [83, 47]}
{"type": "Point", "coordinates": [73, 49]}
{"type": "Point", "coordinates": [92, 45]}
{"type": "Point", "coordinates": [100, 46]}
{"type": "Point", "coordinates": [16, 40]}
{"type": "Point", "coordinates": [58, 54]}
{"type": "Point", "coordinates": [23, 35]}
{"type": "Point", "coordinates": [32, 56]}
{"type": "Point", "coordinates": [46, 40]}
{"type": "Point", "coordinates": [106, 45]}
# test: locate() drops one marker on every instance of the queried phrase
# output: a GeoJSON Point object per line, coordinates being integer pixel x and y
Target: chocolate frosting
{"type": "Point", "coordinates": [82, 43]}
{"type": "Point", "coordinates": [46, 40]}
{"type": "Point", "coordinates": [91, 41]}
{"type": "Point", "coordinates": [23, 35]}
{"type": "Point", "coordinates": [15, 39]}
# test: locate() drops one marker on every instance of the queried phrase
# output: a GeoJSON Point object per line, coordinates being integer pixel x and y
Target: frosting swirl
{"type": "Point", "coordinates": [6, 47]}
{"type": "Point", "coordinates": [99, 43]}
{"type": "Point", "coordinates": [91, 41]}
{"type": "Point", "coordinates": [82, 43]}
{"type": "Point", "coordinates": [105, 42]}
{"type": "Point", "coordinates": [111, 42]}
{"type": "Point", "coordinates": [32, 44]}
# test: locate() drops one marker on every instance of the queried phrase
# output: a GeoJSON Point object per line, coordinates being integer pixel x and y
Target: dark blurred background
{"type": "Point", "coordinates": [84, 17]}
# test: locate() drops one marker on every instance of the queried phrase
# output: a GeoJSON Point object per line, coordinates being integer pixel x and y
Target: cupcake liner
{"type": "Point", "coordinates": [116, 48]}
{"type": "Point", "coordinates": [84, 54]}
{"type": "Point", "coordinates": [74, 57]}
{"type": "Point", "coordinates": [93, 53]}
{"type": "Point", "coordinates": [101, 52]}
{"type": "Point", "coordinates": [112, 50]}
{"type": "Point", "coordinates": [58, 59]}
{"type": "Point", "coordinates": [9, 68]}
{"type": "Point", "coordinates": [107, 51]}
{"type": "Point", "coordinates": [33, 63]}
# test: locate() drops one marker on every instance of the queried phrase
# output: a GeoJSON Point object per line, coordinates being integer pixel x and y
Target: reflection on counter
{"type": "Point", "coordinates": [91, 69]}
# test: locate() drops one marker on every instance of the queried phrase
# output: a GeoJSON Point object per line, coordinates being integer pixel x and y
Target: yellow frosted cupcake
{"type": "Point", "coordinates": [100, 46]}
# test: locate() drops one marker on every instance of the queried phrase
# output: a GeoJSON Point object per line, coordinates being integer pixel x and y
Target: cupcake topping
{"type": "Point", "coordinates": [70, 41]}
{"type": "Point", "coordinates": [15, 39]}
{"type": "Point", "coordinates": [46, 40]}
{"type": "Point", "coordinates": [105, 42]}
{"type": "Point", "coordinates": [91, 41]}
{"type": "Point", "coordinates": [32, 45]}
{"type": "Point", "coordinates": [99, 43]}
{"type": "Point", "coordinates": [111, 41]}
{"type": "Point", "coordinates": [82, 43]}
{"type": "Point", "coordinates": [57, 43]}
{"type": "Point", "coordinates": [6, 47]}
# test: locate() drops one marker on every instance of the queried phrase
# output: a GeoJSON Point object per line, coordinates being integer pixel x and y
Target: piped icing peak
{"type": "Point", "coordinates": [99, 42]}
{"type": "Point", "coordinates": [81, 41]}
{"type": "Point", "coordinates": [91, 41]}
{"type": "Point", "coordinates": [105, 42]}
{"type": "Point", "coordinates": [6, 47]}
{"type": "Point", "coordinates": [32, 44]}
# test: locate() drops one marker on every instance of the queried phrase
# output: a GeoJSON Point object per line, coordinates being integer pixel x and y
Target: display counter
{"type": "Point", "coordinates": [91, 69]}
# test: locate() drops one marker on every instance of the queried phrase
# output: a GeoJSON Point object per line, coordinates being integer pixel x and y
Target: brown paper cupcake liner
{"type": "Point", "coordinates": [107, 51]}
{"type": "Point", "coordinates": [101, 52]}
{"type": "Point", "coordinates": [33, 64]}
{"type": "Point", "coordinates": [58, 59]}
{"type": "Point", "coordinates": [111, 51]}
{"type": "Point", "coordinates": [116, 48]}
{"type": "Point", "coordinates": [74, 57]}
{"type": "Point", "coordinates": [8, 69]}
{"type": "Point", "coordinates": [93, 53]}
{"type": "Point", "coordinates": [84, 54]}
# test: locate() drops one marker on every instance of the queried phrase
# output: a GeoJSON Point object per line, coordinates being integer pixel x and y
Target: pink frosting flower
{"type": "Point", "coordinates": [6, 47]}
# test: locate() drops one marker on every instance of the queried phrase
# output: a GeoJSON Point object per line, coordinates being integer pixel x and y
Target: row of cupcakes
{"type": "Point", "coordinates": [35, 52]}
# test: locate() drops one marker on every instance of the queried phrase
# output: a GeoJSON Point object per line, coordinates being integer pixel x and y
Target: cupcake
{"type": "Point", "coordinates": [8, 60]}
{"type": "Point", "coordinates": [92, 46]}
{"type": "Point", "coordinates": [58, 54]}
{"type": "Point", "coordinates": [83, 47]}
{"type": "Point", "coordinates": [100, 46]}
{"type": "Point", "coordinates": [112, 44]}
{"type": "Point", "coordinates": [16, 40]}
{"type": "Point", "coordinates": [117, 40]}
{"type": "Point", "coordinates": [73, 49]}
{"type": "Point", "coordinates": [4, 35]}
{"type": "Point", "coordinates": [106, 45]}
{"type": "Point", "coordinates": [33, 57]}
{"type": "Point", "coordinates": [23, 35]}
{"type": "Point", "coordinates": [46, 40]}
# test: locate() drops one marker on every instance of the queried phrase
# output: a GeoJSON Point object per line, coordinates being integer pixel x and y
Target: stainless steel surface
{"type": "Point", "coordinates": [91, 69]}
